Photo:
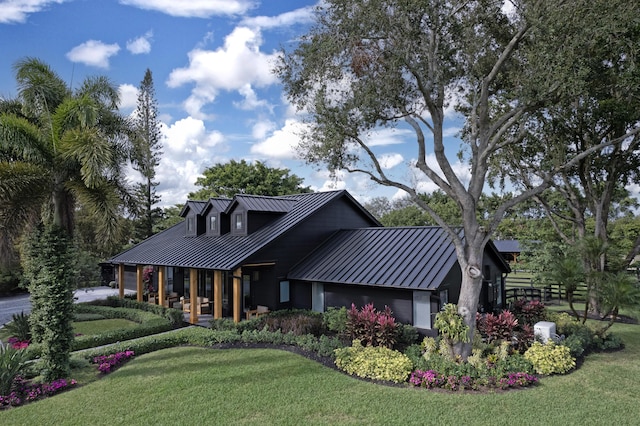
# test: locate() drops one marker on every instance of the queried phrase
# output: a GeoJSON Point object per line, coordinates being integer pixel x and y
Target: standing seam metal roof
{"type": "Point", "coordinates": [226, 252]}
{"type": "Point", "coordinates": [404, 257]}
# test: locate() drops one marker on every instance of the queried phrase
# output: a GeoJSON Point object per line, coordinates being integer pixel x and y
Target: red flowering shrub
{"type": "Point", "coordinates": [496, 327]}
{"type": "Point", "coordinates": [371, 327]}
{"type": "Point", "coordinates": [528, 311]}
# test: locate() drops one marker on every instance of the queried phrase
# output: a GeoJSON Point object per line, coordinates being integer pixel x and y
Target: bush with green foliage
{"type": "Point", "coordinates": [175, 316]}
{"type": "Point", "coordinates": [373, 362]}
{"type": "Point", "coordinates": [371, 327]}
{"type": "Point", "coordinates": [550, 358]}
{"type": "Point", "coordinates": [296, 321]}
{"type": "Point", "coordinates": [451, 327]}
{"type": "Point", "coordinates": [13, 363]}
{"type": "Point", "coordinates": [335, 319]}
{"type": "Point", "coordinates": [48, 259]}
{"type": "Point", "coordinates": [19, 327]}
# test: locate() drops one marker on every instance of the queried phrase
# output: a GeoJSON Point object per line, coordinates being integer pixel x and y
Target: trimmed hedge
{"type": "Point", "coordinates": [150, 323]}
{"type": "Point", "coordinates": [175, 316]}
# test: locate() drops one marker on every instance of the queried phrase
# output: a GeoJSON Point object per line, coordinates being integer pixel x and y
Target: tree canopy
{"type": "Point", "coordinates": [229, 179]}
{"type": "Point", "coordinates": [369, 64]}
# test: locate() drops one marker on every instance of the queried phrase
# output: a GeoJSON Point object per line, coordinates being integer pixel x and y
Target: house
{"type": "Point", "coordinates": [309, 251]}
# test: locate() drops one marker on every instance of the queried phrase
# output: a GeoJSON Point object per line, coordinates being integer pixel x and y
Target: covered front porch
{"type": "Point", "coordinates": [217, 293]}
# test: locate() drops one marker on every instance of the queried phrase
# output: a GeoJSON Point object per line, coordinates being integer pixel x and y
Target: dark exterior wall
{"type": "Point", "coordinates": [300, 295]}
{"type": "Point", "coordinates": [290, 248]}
{"type": "Point", "coordinates": [400, 301]}
{"type": "Point", "coordinates": [256, 220]}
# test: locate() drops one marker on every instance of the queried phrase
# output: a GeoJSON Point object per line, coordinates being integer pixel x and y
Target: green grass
{"type": "Point", "coordinates": [191, 385]}
{"type": "Point", "coordinates": [90, 328]}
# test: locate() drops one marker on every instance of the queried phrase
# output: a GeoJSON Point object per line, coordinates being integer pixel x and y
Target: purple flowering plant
{"type": "Point", "coordinates": [108, 363]}
{"type": "Point", "coordinates": [24, 391]}
{"type": "Point", "coordinates": [431, 379]}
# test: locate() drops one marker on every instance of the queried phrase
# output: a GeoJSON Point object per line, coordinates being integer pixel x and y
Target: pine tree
{"type": "Point", "coordinates": [146, 156]}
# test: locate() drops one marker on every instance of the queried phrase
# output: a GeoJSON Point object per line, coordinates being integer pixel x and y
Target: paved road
{"type": "Point", "coordinates": [16, 304]}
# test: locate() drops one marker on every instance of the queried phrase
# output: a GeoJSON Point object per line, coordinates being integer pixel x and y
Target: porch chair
{"type": "Point", "coordinates": [255, 313]}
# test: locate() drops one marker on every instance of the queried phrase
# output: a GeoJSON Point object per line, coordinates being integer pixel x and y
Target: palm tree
{"type": "Point", "coordinates": [58, 147]}
{"type": "Point", "coordinates": [61, 147]}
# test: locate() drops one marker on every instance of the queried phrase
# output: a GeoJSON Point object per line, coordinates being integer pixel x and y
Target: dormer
{"type": "Point", "coordinates": [248, 213]}
{"type": "Point", "coordinates": [193, 220]}
{"type": "Point", "coordinates": [216, 218]}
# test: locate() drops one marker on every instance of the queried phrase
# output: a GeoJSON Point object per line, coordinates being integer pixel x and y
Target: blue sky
{"type": "Point", "coordinates": [211, 62]}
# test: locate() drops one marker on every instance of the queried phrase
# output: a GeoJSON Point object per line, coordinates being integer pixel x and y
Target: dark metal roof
{"type": "Point", "coordinates": [196, 206]}
{"type": "Point", "coordinates": [219, 204]}
{"type": "Point", "coordinates": [261, 203]}
{"type": "Point", "coordinates": [226, 252]}
{"type": "Point", "coordinates": [507, 246]}
{"type": "Point", "coordinates": [406, 257]}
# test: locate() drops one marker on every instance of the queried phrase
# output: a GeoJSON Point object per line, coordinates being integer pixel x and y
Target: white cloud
{"type": "Point", "coordinates": [188, 148]}
{"type": "Point", "coordinates": [389, 161]}
{"type": "Point", "coordinates": [193, 8]}
{"type": "Point", "coordinates": [232, 67]}
{"type": "Point", "coordinates": [283, 143]}
{"type": "Point", "coordinates": [128, 96]}
{"type": "Point", "coordinates": [261, 128]}
{"type": "Point", "coordinates": [303, 15]}
{"type": "Point", "coordinates": [140, 44]}
{"type": "Point", "coordinates": [251, 100]}
{"type": "Point", "coordinates": [389, 136]}
{"type": "Point", "coordinates": [17, 11]}
{"type": "Point", "coordinates": [93, 53]}
{"type": "Point", "coordinates": [451, 131]}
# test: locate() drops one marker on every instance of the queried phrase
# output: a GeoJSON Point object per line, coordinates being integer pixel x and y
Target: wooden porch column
{"type": "Point", "coordinates": [193, 296]}
{"type": "Point", "coordinates": [237, 294]}
{"type": "Point", "coordinates": [139, 283]}
{"type": "Point", "coordinates": [121, 281]}
{"type": "Point", "coordinates": [161, 292]}
{"type": "Point", "coordinates": [217, 294]}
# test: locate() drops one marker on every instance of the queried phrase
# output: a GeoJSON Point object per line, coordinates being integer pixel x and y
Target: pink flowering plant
{"type": "Point", "coordinates": [108, 363]}
{"type": "Point", "coordinates": [17, 343]}
{"type": "Point", "coordinates": [24, 391]}
{"type": "Point", "coordinates": [431, 379]}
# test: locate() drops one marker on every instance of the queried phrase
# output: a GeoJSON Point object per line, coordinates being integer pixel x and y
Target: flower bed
{"type": "Point", "coordinates": [431, 379]}
{"type": "Point", "coordinates": [24, 391]}
{"type": "Point", "coordinates": [108, 363]}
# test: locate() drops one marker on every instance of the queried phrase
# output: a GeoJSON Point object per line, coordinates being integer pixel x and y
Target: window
{"type": "Point", "coordinates": [238, 221]}
{"type": "Point", "coordinates": [284, 291]}
{"type": "Point", "coordinates": [190, 227]}
{"type": "Point", "coordinates": [213, 223]}
{"type": "Point", "coordinates": [444, 298]}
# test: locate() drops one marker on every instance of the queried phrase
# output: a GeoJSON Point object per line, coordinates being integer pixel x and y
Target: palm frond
{"type": "Point", "coordinates": [103, 203]}
{"type": "Point", "coordinates": [22, 140]}
{"type": "Point", "coordinates": [24, 188]}
{"type": "Point", "coordinates": [102, 90]}
{"type": "Point", "coordinates": [39, 87]}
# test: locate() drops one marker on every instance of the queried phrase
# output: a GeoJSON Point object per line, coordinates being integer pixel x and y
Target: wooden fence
{"type": "Point", "coordinates": [526, 288]}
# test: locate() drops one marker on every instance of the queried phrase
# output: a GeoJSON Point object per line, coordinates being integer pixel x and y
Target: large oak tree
{"type": "Point", "coordinates": [370, 64]}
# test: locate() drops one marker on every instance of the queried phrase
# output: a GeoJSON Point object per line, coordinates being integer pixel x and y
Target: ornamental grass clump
{"type": "Point", "coordinates": [108, 363]}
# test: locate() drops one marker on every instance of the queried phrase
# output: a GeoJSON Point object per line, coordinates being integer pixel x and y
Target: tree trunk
{"type": "Point", "coordinates": [469, 296]}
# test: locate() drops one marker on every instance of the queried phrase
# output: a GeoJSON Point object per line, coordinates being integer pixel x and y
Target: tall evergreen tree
{"type": "Point", "coordinates": [146, 157]}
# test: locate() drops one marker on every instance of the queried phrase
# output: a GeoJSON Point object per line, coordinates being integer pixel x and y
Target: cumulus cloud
{"type": "Point", "coordinates": [389, 136]}
{"type": "Point", "coordinates": [141, 44]}
{"type": "Point", "coordinates": [236, 66]}
{"type": "Point", "coordinates": [250, 101]}
{"type": "Point", "coordinates": [93, 53]}
{"type": "Point", "coordinates": [17, 11]}
{"type": "Point", "coordinates": [304, 15]}
{"type": "Point", "coordinates": [262, 128]}
{"type": "Point", "coordinates": [128, 96]}
{"type": "Point", "coordinates": [188, 148]}
{"type": "Point", "coordinates": [193, 8]}
{"type": "Point", "coordinates": [389, 161]}
{"type": "Point", "coordinates": [283, 143]}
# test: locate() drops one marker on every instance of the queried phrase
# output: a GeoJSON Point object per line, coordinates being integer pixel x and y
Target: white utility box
{"type": "Point", "coordinates": [545, 330]}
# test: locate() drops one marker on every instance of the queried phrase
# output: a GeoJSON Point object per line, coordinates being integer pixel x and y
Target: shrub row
{"type": "Point", "coordinates": [175, 316]}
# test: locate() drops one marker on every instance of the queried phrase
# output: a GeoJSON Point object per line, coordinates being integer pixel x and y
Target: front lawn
{"type": "Point", "coordinates": [189, 385]}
